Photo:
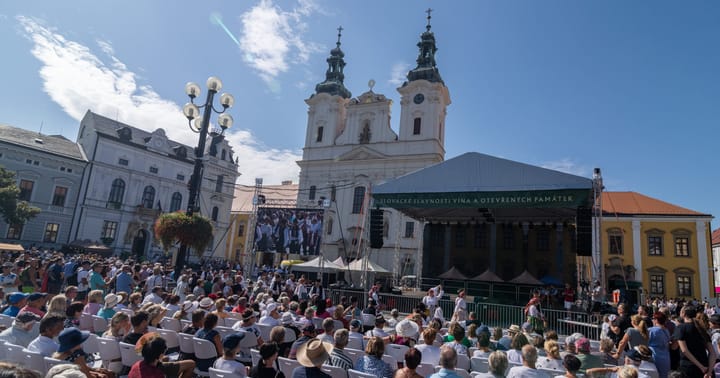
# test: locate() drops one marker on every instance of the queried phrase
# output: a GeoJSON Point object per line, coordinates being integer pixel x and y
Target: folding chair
{"type": "Point", "coordinates": [109, 351]}
{"type": "Point", "coordinates": [171, 324]}
{"type": "Point", "coordinates": [186, 343]}
{"type": "Point", "coordinates": [479, 365]}
{"type": "Point", "coordinates": [352, 373]}
{"type": "Point", "coordinates": [204, 350]}
{"type": "Point", "coordinates": [34, 360]}
{"type": "Point", "coordinates": [334, 371]}
{"type": "Point", "coordinates": [14, 353]}
{"type": "Point", "coordinates": [50, 362]}
{"type": "Point", "coordinates": [99, 324]}
{"type": "Point", "coordinates": [390, 360]}
{"type": "Point", "coordinates": [355, 343]}
{"type": "Point", "coordinates": [255, 354]}
{"type": "Point", "coordinates": [425, 369]}
{"type": "Point", "coordinates": [397, 351]}
{"type": "Point", "coordinates": [287, 365]}
{"type": "Point", "coordinates": [172, 340]}
{"type": "Point", "coordinates": [215, 373]}
{"type": "Point", "coordinates": [265, 331]}
{"type": "Point", "coordinates": [128, 355]}
{"type": "Point", "coordinates": [86, 322]}
{"type": "Point", "coordinates": [354, 354]}
{"type": "Point", "coordinates": [463, 362]}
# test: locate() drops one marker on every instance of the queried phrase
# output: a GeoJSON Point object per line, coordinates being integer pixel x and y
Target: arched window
{"type": "Point", "coordinates": [311, 195]}
{"type": "Point", "coordinates": [214, 215]}
{"type": "Point", "coordinates": [175, 202]}
{"type": "Point", "coordinates": [358, 198]}
{"type": "Point", "coordinates": [219, 183]}
{"type": "Point", "coordinates": [319, 136]}
{"type": "Point", "coordinates": [148, 197]}
{"type": "Point", "coordinates": [417, 125]}
{"type": "Point", "coordinates": [117, 192]}
{"type": "Point", "coordinates": [330, 222]}
{"type": "Point", "coordinates": [223, 153]}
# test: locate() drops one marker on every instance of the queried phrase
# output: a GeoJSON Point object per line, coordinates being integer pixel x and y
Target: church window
{"type": "Point", "coordinates": [319, 136]}
{"type": "Point", "coordinates": [214, 215]}
{"type": "Point", "coordinates": [219, 183]}
{"type": "Point", "coordinates": [329, 226]}
{"type": "Point", "coordinates": [358, 198]}
{"type": "Point", "coordinates": [148, 197]}
{"type": "Point", "coordinates": [416, 126]}
{"type": "Point", "coordinates": [333, 193]}
{"type": "Point", "coordinates": [117, 192]}
{"type": "Point", "coordinates": [175, 202]}
{"type": "Point", "coordinates": [223, 154]}
{"type": "Point", "coordinates": [365, 134]}
{"type": "Point", "coordinates": [311, 195]}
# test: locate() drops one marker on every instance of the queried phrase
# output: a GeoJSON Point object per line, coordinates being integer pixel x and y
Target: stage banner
{"type": "Point", "coordinates": [507, 199]}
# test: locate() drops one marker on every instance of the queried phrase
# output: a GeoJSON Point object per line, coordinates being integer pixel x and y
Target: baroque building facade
{"type": "Point", "coordinates": [350, 146]}
{"type": "Point", "coordinates": [48, 170]}
{"type": "Point", "coordinates": [133, 176]}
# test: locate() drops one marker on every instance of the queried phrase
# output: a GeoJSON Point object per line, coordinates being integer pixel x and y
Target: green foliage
{"type": "Point", "coordinates": [194, 231]}
{"type": "Point", "coordinates": [12, 210]}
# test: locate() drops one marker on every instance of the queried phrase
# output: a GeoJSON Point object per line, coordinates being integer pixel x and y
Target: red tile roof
{"type": "Point", "coordinates": [632, 203]}
{"type": "Point", "coordinates": [716, 237]}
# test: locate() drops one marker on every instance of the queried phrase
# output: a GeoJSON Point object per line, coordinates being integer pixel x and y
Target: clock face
{"type": "Point", "coordinates": [419, 98]}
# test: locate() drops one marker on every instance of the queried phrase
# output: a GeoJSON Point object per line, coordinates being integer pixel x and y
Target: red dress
{"type": "Point", "coordinates": [142, 370]}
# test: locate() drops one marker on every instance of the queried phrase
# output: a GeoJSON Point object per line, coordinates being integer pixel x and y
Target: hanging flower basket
{"type": "Point", "coordinates": [194, 231]}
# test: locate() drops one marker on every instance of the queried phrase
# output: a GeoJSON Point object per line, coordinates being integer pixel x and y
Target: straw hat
{"type": "Point", "coordinates": [206, 303]}
{"type": "Point", "coordinates": [111, 300]}
{"type": "Point", "coordinates": [514, 328]}
{"type": "Point", "coordinates": [314, 353]}
{"type": "Point", "coordinates": [407, 328]}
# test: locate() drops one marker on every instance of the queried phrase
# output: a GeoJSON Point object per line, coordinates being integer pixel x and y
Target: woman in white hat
{"type": "Point", "coordinates": [108, 310]}
{"type": "Point", "coordinates": [406, 333]}
{"type": "Point", "coordinates": [312, 355]}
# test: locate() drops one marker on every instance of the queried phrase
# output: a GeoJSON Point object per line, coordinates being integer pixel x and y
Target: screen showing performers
{"type": "Point", "coordinates": [296, 231]}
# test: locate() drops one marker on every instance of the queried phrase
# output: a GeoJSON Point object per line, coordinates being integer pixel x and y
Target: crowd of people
{"type": "Point", "coordinates": [47, 295]}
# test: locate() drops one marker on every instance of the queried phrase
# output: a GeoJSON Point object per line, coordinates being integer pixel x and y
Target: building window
{"type": "Point", "coordinates": [655, 245]}
{"type": "Point", "coordinates": [219, 183]}
{"type": "Point", "coordinates": [657, 284]}
{"type": "Point", "coordinates": [459, 237]}
{"type": "Point", "coordinates": [409, 229]}
{"type": "Point", "coordinates": [15, 231]}
{"type": "Point", "coordinates": [223, 153]}
{"type": "Point", "coordinates": [214, 215]}
{"type": "Point", "coordinates": [508, 237]}
{"type": "Point", "coordinates": [109, 230]}
{"type": "Point", "coordinates": [117, 192]}
{"type": "Point", "coordinates": [148, 197]}
{"type": "Point", "coordinates": [241, 229]}
{"type": "Point", "coordinates": [682, 246]}
{"type": "Point", "coordinates": [59, 196]}
{"type": "Point", "coordinates": [51, 232]}
{"type": "Point", "coordinates": [333, 193]}
{"type": "Point", "coordinates": [311, 194]}
{"type": "Point", "coordinates": [615, 241]}
{"type": "Point", "coordinates": [329, 226]}
{"type": "Point", "coordinates": [153, 170]}
{"type": "Point", "coordinates": [365, 133]}
{"type": "Point", "coordinates": [319, 136]}
{"type": "Point", "coordinates": [124, 162]}
{"type": "Point", "coordinates": [180, 177]}
{"type": "Point", "coordinates": [480, 237]}
{"type": "Point", "coordinates": [542, 240]}
{"type": "Point", "coordinates": [684, 286]}
{"type": "Point", "coordinates": [175, 202]}
{"type": "Point", "coordinates": [416, 126]}
{"type": "Point", "coordinates": [26, 189]}
{"type": "Point", "coordinates": [358, 199]}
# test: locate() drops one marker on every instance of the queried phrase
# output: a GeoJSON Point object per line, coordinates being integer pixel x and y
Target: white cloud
{"type": "Point", "coordinates": [77, 80]}
{"type": "Point", "coordinates": [272, 38]}
{"type": "Point", "coordinates": [398, 75]}
{"type": "Point", "coordinates": [567, 165]}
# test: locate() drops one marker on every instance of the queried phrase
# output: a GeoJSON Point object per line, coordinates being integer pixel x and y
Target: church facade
{"type": "Point", "coordinates": [350, 147]}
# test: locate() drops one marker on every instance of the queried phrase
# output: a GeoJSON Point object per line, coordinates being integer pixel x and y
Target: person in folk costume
{"type": "Point", "coordinates": [315, 232]}
{"type": "Point", "coordinates": [534, 314]}
{"type": "Point", "coordinates": [280, 235]}
{"type": "Point", "coordinates": [294, 237]}
{"type": "Point", "coordinates": [305, 230]}
{"type": "Point", "coordinates": [460, 311]}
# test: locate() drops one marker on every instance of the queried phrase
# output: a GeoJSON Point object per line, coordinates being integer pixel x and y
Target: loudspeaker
{"type": "Point", "coordinates": [583, 231]}
{"type": "Point", "coordinates": [376, 228]}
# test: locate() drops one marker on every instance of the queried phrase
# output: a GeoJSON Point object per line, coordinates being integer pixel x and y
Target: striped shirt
{"type": "Point", "coordinates": [340, 359]}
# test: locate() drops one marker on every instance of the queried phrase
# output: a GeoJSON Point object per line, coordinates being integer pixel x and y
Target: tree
{"type": "Point", "coordinates": [194, 231]}
{"type": "Point", "coordinates": [12, 210]}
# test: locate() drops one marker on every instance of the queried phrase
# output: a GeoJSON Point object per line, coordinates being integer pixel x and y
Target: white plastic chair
{"type": "Point", "coordinates": [109, 350]}
{"type": "Point", "coordinates": [50, 362]}
{"type": "Point", "coordinates": [368, 320]}
{"type": "Point", "coordinates": [463, 362]}
{"type": "Point", "coordinates": [184, 324]}
{"type": "Point", "coordinates": [355, 343]}
{"type": "Point", "coordinates": [425, 369]}
{"type": "Point", "coordinates": [651, 373]}
{"type": "Point", "coordinates": [224, 331]}
{"type": "Point", "coordinates": [6, 321]}
{"type": "Point", "coordinates": [480, 365]}
{"type": "Point", "coordinates": [317, 322]}
{"type": "Point", "coordinates": [354, 354]}
{"type": "Point", "coordinates": [91, 345]}
{"type": "Point", "coordinates": [204, 349]}
{"type": "Point", "coordinates": [265, 331]}
{"type": "Point", "coordinates": [338, 325]}
{"type": "Point", "coordinates": [186, 343]}
{"type": "Point", "coordinates": [255, 354]}
{"type": "Point", "coordinates": [34, 361]}
{"type": "Point", "coordinates": [99, 324]}
{"type": "Point", "coordinates": [552, 372]}
{"type": "Point", "coordinates": [287, 365]}
{"type": "Point", "coordinates": [171, 337]}
{"type": "Point", "coordinates": [334, 371]}
{"type": "Point", "coordinates": [14, 353]}
{"type": "Point", "coordinates": [128, 354]}
{"type": "Point", "coordinates": [289, 336]}
{"type": "Point", "coordinates": [171, 324]}
{"type": "Point", "coordinates": [390, 360]}
{"type": "Point", "coordinates": [397, 351]}
{"type": "Point", "coordinates": [86, 322]}
{"type": "Point", "coordinates": [215, 373]}
{"type": "Point", "coordinates": [462, 373]}
{"type": "Point", "coordinates": [352, 373]}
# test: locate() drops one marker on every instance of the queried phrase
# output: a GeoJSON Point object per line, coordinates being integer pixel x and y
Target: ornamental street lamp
{"type": "Point", "coordinates": [201, 126]}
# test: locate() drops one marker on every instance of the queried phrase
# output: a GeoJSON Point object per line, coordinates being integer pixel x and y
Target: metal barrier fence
{"type": "Point", "coordinates": [492, 314]}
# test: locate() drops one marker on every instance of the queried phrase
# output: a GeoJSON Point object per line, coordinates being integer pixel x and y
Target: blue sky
{"type": "Point", "coordinates": [630, 87]}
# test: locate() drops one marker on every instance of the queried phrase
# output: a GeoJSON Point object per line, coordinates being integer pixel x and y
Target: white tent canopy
{"type": "Point", "coordinates": [357, 265]}
{"type": "Point", "coordinates": [314, 265]}
{"type": "Point", "coordinates": [339, 262]}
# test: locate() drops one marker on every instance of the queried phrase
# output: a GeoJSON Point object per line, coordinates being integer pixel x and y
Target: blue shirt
{"type": "Point", "coordinates": [375, 366]}
{"type": "Point", "coordinates": [123, 282]}
{"type": "Point", "coordinates": [11, 311]}
{"type": "Point", "coordinates": [106, 313]}
{"type": "Point", "coordinates": [445, 373]}
{"type": "Point", "coordinates": [69, 268]}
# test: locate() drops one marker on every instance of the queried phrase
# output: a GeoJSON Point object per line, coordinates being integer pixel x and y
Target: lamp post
{"type": "Point", "coordinates": [201, 126]}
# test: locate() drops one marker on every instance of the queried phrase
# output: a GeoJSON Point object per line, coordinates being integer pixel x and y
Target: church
{"type": "Point", "coordinates": [350, 147]}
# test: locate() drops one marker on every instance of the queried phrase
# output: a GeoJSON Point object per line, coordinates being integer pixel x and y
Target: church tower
{"type": "Point", "coordinates": [424, 97]}
{"type": "Point", "coordinates": [326, 107]}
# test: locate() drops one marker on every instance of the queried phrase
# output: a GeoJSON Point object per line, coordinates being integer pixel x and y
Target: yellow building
{"type": "Point", "coordinates": [663, 248]}
{"type": "Point", "coordinates": [241, 215]}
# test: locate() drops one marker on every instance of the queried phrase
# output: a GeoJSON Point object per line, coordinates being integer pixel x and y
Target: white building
{"type": "Point", "coordinates": [350, 146]}
{"type": "Point", "coordinates": [134, 175]}
{"type": "Point", "coordinates": [48, 170]}
{"type": "Point", "coordinates": [716, 260]}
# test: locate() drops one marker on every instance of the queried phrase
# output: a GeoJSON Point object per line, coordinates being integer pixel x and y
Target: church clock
{"type": "Point", "coordinates": [419, 98]}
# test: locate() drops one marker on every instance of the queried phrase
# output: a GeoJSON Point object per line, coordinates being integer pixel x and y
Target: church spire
{"type": "Point", "coordinates": [426, 68]}
{"type": "Point", "coordinates": [334, 76]}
